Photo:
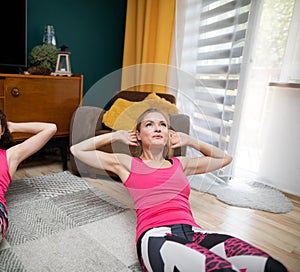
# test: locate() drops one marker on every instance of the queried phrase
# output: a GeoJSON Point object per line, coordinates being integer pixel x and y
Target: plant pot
{"type": "Point", "coordinates": [39, 70]}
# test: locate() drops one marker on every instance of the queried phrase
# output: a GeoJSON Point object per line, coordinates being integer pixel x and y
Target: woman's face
{"type": "Point", "coordinates": [154, 131]}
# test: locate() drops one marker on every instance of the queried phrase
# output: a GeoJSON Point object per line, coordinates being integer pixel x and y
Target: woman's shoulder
{"type": "Point", "coordinates": [176, 160]}
{"type": "Point", "coordinates": [135, 161]}
{"type": "Point", "coordinates": [179, 161]}
{"type": "Point", "coordinates": [3, 158]}
{"type": "Point", "coordinates": [2, 152]}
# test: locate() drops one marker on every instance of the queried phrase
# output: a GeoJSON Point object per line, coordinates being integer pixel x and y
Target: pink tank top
{"type": "Point", "coordinates": [5, 177]}
{"type": "Point", "coordinates": [160, 195]}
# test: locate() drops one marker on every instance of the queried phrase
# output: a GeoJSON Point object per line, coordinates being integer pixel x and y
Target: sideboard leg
{"type": "Point", "coordinates": [64, 156]}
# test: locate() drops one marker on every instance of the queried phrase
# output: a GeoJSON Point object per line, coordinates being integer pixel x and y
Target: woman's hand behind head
{"type": "Point", "coordinates": [127, 137]}
{"type": "Point", "coordinates": [178, 139]}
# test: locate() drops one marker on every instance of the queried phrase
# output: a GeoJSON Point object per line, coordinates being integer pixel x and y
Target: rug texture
{"type": "Point", "coordinates": [247, 194]}
{"type": "Point", "coordinates": [58, 222]}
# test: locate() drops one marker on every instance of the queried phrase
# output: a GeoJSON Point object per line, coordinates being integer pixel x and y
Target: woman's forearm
{"type": "Point", "coordinates": [29, 127]}
{"type": "Point", "coordinates": [219, 157]}
{"type": "Point", "coordinates": [207, 149]}
{"type": "Point", "coordinates": [94, 142]}
{"type": "Point", "coordinates": [127, 137]}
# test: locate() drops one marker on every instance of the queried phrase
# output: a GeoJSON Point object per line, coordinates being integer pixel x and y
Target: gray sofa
{"type": "Point", "coordinates": [87, 122]}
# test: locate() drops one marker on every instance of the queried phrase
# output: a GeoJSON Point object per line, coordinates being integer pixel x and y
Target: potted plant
{"type": "Point", "coordinates": [42, 58]}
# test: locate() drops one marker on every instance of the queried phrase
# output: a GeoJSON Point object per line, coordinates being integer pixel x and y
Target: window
{"type": "Point", "coordinates": [214, 43]}
{"type": "Point", "coordinates": [271, 62]}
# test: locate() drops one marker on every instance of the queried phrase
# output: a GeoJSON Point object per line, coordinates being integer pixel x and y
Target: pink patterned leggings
{"type": "Point", "coordinates": [3, 221]}
{"type": "Point", "coordinates": [185, 248]}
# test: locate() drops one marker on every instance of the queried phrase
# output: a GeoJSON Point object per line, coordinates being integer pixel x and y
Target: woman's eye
{"type": "Point", "coordinates": [163, 124]}
{"type": "Point", "coordinates": [148, 125]}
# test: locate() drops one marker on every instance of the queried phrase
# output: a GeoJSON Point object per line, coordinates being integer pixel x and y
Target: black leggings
{"type": "Point", "coordinates": [186, 248]}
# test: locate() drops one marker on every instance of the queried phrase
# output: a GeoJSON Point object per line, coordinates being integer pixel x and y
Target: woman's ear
{"type": "Point", "coordinates": [138, 136]}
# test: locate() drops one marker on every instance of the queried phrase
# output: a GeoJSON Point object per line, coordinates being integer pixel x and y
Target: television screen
{"type": "Point", "coordinates": [13, 32]}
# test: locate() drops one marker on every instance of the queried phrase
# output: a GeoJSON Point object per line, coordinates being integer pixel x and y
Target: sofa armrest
{"type": "Point", "coordinates": [85, 123]}
{"type": "Point", "coordinates": [86, 120]}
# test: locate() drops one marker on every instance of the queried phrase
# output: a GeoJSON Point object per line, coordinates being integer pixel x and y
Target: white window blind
{"type": "Point", "coordinates": [221, 37]}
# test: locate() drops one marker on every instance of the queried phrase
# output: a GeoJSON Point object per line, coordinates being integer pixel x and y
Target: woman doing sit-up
{"type": "Point", "coordinates": [11, 155]}
{"type": "Point", "coordinates": [167, 236]}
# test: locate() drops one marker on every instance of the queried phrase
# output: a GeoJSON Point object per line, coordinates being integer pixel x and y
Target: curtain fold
{"type": "Point", "coordinates": [147, 44]}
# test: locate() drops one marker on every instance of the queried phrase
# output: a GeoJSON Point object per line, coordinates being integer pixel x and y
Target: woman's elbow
{"type": "Point", "coordinates": [227, 160]}
{"type": "Point", "coordinates": [75, 150]}
{"type": "Point", "coordinates": [53, 128]}
{"type": "Point", "coordinates": [50, 129]}
{"type": "Point", "coordinates": [72, 150]}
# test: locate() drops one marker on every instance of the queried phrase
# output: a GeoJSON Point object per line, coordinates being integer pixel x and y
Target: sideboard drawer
{"type": "Point", "coordinates": [30, 98]}
{"type": "Point", "coordinates": [45, 99]}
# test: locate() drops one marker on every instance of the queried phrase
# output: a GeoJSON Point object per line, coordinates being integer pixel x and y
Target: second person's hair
{"type": "Point", "coordinates": [6, 139]}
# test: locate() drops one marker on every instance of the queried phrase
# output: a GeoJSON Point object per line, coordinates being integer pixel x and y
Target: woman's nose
{"type": "Point", "coordinates": [157, 127]}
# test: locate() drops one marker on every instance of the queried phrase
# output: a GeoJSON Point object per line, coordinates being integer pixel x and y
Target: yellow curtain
{"type": "Point", "coordinates": [147, 45]}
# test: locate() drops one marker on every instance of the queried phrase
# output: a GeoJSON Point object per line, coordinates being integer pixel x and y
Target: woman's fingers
{"type": "Point", "coordinates": [132, 138]}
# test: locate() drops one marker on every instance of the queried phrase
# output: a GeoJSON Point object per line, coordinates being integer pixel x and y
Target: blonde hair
{"type": "Point", "coordinates": [167, 150]}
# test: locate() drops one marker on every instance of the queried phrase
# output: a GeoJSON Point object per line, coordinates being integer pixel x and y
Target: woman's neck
{"type": "Point", "coordinates": [155, 161]}
{"type": "Point", "coordinates": [150, 156]}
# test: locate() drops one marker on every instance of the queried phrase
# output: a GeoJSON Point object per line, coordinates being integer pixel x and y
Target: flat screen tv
{"type": "Point", "coordinates": [13, 36]}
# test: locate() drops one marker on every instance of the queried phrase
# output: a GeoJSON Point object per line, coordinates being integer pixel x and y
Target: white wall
{"type": "Point", "coordinates": [280, 160]}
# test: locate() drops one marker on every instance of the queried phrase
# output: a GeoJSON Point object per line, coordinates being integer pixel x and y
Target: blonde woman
{"type": "Point", "coordinates": [167, 236]}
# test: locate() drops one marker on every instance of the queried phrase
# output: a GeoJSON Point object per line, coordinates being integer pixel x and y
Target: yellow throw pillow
{"type": "Point", "coordinates": [123, 113]}
{"type": "Point", "coordinates": [158, 102]}
{"type": "Point", "coordinates": [152, 96]}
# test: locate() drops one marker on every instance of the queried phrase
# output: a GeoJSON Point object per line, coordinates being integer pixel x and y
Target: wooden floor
{"type": "Point", "coordinates": [277, 234]}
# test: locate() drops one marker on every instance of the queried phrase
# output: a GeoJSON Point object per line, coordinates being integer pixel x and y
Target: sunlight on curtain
{"type": "Point", "coordinates": [267, 59]}
{"type": "Point", "coordinates": [268, 30]}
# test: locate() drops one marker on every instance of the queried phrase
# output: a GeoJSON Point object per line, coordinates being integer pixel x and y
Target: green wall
{"type": "Point", "coordinates": [93, 30]}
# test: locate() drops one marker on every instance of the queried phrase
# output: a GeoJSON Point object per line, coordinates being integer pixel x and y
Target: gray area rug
{"type": "Point", "coordinates": [58, 222]}
{"type": "Point", "coordinates": [242, 193]}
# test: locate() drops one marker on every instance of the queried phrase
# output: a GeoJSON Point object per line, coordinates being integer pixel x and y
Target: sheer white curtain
{"type": "Point", "coordinates": [275, 58]}
{"type": "Point", "coordinates": [225, 95]}
{"type": "Point", "coordinates": [211, 51]}
{"type": "Point", "coordinates": [184, 61]}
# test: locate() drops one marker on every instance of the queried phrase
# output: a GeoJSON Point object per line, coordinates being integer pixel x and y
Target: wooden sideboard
{"type": "Point", "coordinates": [26, 98]}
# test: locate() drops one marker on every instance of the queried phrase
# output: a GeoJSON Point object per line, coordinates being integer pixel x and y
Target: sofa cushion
{"type": "Point", "coordinates": [123, 113]}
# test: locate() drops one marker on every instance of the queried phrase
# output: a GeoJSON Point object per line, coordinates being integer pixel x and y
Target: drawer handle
{"type": "Point", "coordinates": [15, 92]}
